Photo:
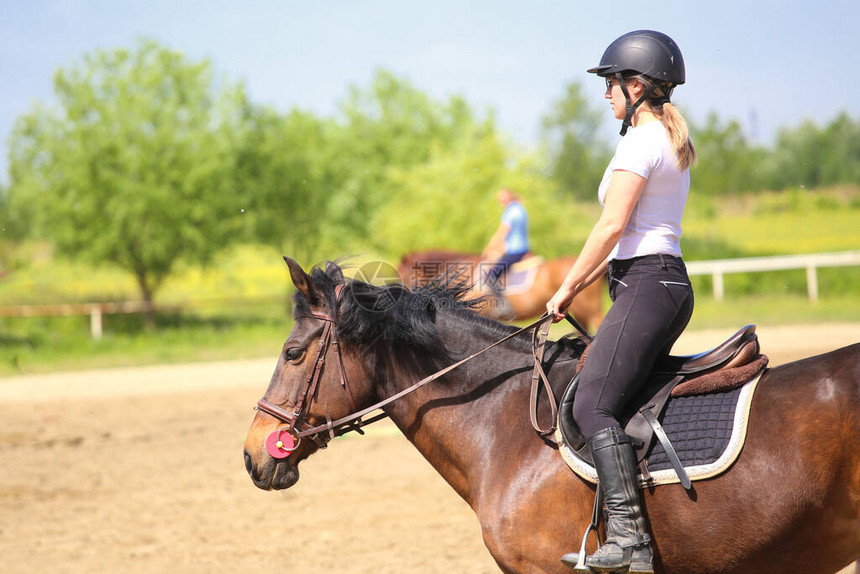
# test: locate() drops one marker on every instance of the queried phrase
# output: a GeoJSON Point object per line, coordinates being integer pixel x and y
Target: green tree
{"type": "Point", "coordinates": [7, 232]}
{"type": "Point", "coordinates": [440, 182]}
{"type": "Point", "coordinates": [797, 157]}
{"type": "Point", "coordinates": [728, 164]}
{"type": "Point", "coordinates": [389, 126]}
{"type": "Point", "coordinates": [284, 177]}
{"type": "Point", "coordinates": [447, 202]}
{"type": "Point", "coordinates": [136, 166]}
{"type": "Point", "coordinates": [841, 165]}
{"type": "Point", "coordinates": [809, 156]}
{"type": "Point", "coordinates": [577, 154]}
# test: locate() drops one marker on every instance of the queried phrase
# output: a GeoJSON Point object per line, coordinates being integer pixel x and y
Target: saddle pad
{"type": "Point", "coordinates": [530, 262]}
{"type": "Point", "coordinates": [519, 281]}
{"type": "Point", "coordinates": [707, 432]}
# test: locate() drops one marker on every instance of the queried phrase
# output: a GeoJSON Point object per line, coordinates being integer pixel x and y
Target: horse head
{"type": "Point", "coordinates": [303, 393]}
{"type": "Point", "coordinates": [330, 367]}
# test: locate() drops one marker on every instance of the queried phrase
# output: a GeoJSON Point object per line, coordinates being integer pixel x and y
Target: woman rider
{"type": "Point", "coordinates": [637, 240]}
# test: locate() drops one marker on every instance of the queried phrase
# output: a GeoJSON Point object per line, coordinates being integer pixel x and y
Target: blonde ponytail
{"type": "Point", "coordinates": [679, 134]}
{"type": "Point", "coordinates": [676, 126]}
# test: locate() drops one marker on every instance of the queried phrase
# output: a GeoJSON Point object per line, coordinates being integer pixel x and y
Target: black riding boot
{"type": "Point", "coordinates": [627, 547]}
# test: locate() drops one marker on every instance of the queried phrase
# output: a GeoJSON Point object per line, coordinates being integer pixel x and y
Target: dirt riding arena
{"type": "Point", "coordinates": [141, 470]}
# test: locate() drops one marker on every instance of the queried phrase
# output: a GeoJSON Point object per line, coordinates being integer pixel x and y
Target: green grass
{"type": "Point", "coordinates": [772, 310]}
{"type": "Point", "coordinates": [238, 308]}
{"type": "Point", "coordinates": [773, 224]}
{"type": "Point", "coordinates": [44, 345]}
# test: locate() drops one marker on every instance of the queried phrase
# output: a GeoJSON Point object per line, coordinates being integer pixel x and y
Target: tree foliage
{"type": "Point", "coordinates": [386, 129]}
{"type": "Point", "coordinates": [577, 155]}
{"type": "Point", "coordinates": [136, 164]}
{"type": "Point", "coordinates": [283, 175]}
{"type": "Point", "coordinates": [809, 156]}
{"type": "Point", "coordinates": [728, 164]}
{"type": "Point", "coordinates": [448, 201]}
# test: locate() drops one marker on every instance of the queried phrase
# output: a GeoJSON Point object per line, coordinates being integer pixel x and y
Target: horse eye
{"type": "Point", "coordinates": [294, 354]}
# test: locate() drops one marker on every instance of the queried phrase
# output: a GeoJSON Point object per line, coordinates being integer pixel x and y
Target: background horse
{"type": "Point", "coordinates": [790, 503]}
{"type": "Point", "coordinates": [419, 268]}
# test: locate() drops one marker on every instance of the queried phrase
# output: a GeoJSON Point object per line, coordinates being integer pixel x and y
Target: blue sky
{"type": "Point", "coordinates": [768, 64]}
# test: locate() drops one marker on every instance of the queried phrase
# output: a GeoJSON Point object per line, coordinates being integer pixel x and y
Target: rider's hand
{"type": "Point", "coordinates": [557, 306]}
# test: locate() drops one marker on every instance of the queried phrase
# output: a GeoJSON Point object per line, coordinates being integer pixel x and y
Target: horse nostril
{"type": "Point", "coordinates": [249, 464]}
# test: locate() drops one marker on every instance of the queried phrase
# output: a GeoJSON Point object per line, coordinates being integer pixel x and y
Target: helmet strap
{"type": "Point", "coordinates": [631, 108]}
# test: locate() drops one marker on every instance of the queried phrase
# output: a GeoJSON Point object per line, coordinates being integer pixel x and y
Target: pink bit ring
{"type": "Point", "coordinates": [280, 444]}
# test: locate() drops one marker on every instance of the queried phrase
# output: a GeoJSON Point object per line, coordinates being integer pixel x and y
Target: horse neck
{"type": "Point", "coordinates": [472, 414]}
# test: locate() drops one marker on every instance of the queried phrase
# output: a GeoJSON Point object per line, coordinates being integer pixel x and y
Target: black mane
{"type": "Point", "coordinates": [396, 315]}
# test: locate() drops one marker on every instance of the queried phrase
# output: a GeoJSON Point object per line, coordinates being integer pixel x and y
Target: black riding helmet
{"type": "Point", "coordinates": [646, 52]}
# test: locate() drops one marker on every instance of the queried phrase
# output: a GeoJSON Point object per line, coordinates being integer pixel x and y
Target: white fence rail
{"type": "Point", "coordinates": [94, 310]}
{"type": "Point", "coordinates": [97, 310]}
{"type": "Point", "coordinates": [717, 268]}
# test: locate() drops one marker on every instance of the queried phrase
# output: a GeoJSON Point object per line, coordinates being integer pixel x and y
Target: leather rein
{"type": "Point", "coordinates": [296, 420]}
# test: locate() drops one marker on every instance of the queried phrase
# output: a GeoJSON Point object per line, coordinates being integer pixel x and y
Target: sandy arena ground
{"type": "Point", "coordinates": [140, 470]}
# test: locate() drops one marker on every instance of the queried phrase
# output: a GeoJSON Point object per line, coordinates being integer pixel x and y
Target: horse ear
{"type": "Point", "coordinates": [303, 282]}
{"type": "Point", "coordinates": [333, 270]}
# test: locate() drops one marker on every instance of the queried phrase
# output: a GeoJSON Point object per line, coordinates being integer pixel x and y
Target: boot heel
{"type": "Point", "coordinates": [641, 568]}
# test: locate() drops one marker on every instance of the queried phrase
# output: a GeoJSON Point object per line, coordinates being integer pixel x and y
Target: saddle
{"type": "Point", "coordinates": [728, 366]}
{"type": "Point", "coordinates": [521, 275]}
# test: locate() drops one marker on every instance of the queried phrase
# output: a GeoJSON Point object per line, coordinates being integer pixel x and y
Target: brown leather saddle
{"type": "Point", "coordinates": [727, 366]}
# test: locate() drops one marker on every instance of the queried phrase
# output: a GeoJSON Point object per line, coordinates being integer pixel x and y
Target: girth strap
{"type": "Point", "coordinates": [667, 446]}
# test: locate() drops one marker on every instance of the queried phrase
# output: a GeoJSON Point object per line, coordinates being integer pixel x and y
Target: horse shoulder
{"type": "Point", "coordinates": [540, 514]}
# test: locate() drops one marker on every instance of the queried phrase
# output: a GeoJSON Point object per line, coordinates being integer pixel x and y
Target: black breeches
{"type": "Point", "coordinates": [652, 304]}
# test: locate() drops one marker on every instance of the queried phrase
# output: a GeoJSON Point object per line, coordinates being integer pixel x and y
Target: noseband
{"type": "Point", "coordinates": [296, 420]}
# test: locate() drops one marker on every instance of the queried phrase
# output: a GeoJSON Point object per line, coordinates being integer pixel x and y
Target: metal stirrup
{"type": "Point", "coordinates": [592, 527]}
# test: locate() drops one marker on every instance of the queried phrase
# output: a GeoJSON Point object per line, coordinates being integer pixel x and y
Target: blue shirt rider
{"type": "Point", "coordinates": [509, 243]}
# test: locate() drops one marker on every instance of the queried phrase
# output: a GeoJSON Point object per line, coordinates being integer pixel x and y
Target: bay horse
{"type": "Point", "coordinates": [789, 503]}
{"type": "Point", "coordinates": [420, 267]}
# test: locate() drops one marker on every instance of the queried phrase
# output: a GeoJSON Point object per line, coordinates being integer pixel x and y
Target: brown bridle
{"type": "Point", "coordinates": [296, 422]}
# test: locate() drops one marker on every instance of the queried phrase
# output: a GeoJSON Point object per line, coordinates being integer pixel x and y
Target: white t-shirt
{"type": "Point", "coordinates": [655, 223]}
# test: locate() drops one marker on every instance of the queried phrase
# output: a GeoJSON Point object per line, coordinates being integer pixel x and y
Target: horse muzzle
{"type": "Point", "coordinates": [271, 474]}
{"type": "Point", "coordinates": [272, 454]}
